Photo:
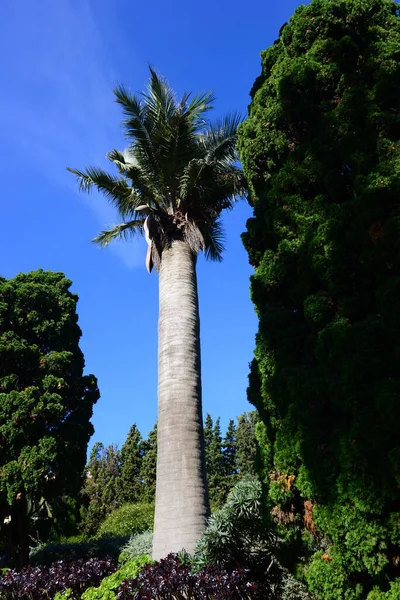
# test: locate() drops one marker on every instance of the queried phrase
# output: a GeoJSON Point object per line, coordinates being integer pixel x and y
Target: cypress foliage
{"type": "Point", "coordinates": [321, 152]}
{"type": "Point", "coordinates": [208, 433]}
{"type": "Point", "coordinates": [45, 407]}
{"type": "Point", "coordinates": [246, 443]}
{"type": "Point", "coordinates": [229, 448]}
{"type": "Point", "coordinates": [149, 465]}
{"type": "Point", "coordinates": [102, 491]}
{"type": "Point", "coordinates": [215, 465]}
{"type": "Point", "coordinates": [208, 436]}
{"type": "Point", "coordinates": [131, 466]}
{"type": "Point", "coordinates": [116, 477]}
{"type": "Point", "coordinates": [231, 457]}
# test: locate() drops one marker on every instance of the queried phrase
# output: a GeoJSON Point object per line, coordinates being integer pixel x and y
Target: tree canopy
{"type": "Point", "coordinates": [178, 173]}
{"type": "Point", "coordinates": [45, 403]}
{"type": "Point", "coordinates": [321, 152]}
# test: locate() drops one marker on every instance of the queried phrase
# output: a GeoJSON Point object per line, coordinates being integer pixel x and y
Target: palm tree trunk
{"type": "Point", "coordinates": [182, 505]}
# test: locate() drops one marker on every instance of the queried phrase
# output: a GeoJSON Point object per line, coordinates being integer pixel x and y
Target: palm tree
{"type": "Point", "coordinates": [177, 175]}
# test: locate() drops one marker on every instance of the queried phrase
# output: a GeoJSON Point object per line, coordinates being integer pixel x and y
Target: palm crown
{"type": "Point", "coordinates": [176, 176]}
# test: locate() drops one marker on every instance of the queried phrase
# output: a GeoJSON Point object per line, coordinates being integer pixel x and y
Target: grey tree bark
{"type": "Point", "coordinates": [182, 505]}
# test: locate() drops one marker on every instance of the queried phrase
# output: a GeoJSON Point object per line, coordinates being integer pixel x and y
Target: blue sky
{"type": "Point", "coordinates": [60, 61]}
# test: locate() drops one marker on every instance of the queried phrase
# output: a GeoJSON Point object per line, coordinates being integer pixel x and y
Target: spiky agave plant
{"type": "Point", "coordinates": [176, 177]}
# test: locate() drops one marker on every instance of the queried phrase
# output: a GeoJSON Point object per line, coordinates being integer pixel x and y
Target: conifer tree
{"type": "Point", "coordinates": [229, 449]}
{"type": "Point", "coordinates": [214, 460]}
{"type": "Point", "coordinates": [149, 464]}
{"type": "Point", "coordinates": [208, 434]}
{"type": "Point", "coordinates": [131, 466]}
{"type": "Point", "coordinates": [321, 151]}
{"type": "Point", "coordinates": [246, 443]}
{"type": "Point", "coordinates": [45, 404]}
{"type": "Point", "coordinates": [102, 490]}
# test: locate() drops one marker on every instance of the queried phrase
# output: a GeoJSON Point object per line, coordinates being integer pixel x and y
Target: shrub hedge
{"type": "Point", "coordinates": [128, 519]}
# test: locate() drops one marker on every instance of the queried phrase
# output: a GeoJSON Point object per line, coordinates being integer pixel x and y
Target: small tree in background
{"type": "Point", "coordinates": [45, 403]}
{"type": "Point", "coordinates": [214, 461]}
{"type": "Point", "coordinates": [229, 448]}
{"type": "Point", "coordinates": [208, 434]}
{"type": "Point", "coordinates": [131, 466]}
{"type": "Point", "coordinates": [246, 443]}
{"type": "Point", "coordinates": [110, 472]}
{"type": "Point", "coordinates": [231, 457]}
{"type": "Point", "coordinates": [102, 491]}
{"type": "Point", "coordinates": [149, 464]}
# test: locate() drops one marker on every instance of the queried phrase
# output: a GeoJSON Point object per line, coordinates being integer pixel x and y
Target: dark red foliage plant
{"type": "Point", "coordinates": [170, 579]}
{"type": "Point", "coordinates": [42, 583]}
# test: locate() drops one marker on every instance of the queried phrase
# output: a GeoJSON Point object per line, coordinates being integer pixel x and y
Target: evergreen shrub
{"type": "Point", "coordinates": [67, 552]}
{"type": "Point", "coordinates": [236, 535]}
{"type": "Point", "coordinates": [138, 544]}
{"type": "Point", "coordinates": [128, 519]}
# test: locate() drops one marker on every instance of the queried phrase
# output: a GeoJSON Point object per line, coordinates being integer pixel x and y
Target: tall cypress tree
{"type": "Point", "coordinates": [208, 433]}
{"type": "Point", "coordinates": [102, 488]}
{"type": "Point", "coordinates": [149, 464]}
{"type": "Point", "coordinates": [229, 449]}
{"type": "Point", "coordinates": [321, 151]}
{"type": "Point", "coordinates": [131, 466]}
{"type": "Point", "coordinates": [246, 443]}
{"type": "Point", "coordinates": [214, 460]}
{"type": "Point", "coordinates": [208, 436]}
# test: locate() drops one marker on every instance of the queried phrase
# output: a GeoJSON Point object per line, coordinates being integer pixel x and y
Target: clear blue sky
{"type": "Point", "coordinates": [59, 62]}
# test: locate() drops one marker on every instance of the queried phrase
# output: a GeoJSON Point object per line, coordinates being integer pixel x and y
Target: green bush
{"type": "Point", "coordinates": [291, 588]}
{"type": "Point", "coordinates": [67, 595]}
{"type": "Point", "coordinates": [236, 535]}
{"type": "Point", "coordinates": [239, 536]}
{"type": "Point", "coordinates": [138, 544]}
{"type": "Point", "coordinates": [128, 520]}
{"type": "Point", "coordinates": [327, 579]}
{"type": "Point", "coordinates": [73, 539]}
{"type": "Point", "coordinates": [110, 584]}
{"type": "Point", "coordinates": [392, 594]}
{"type": "Point", "coordinates": [49, 553]}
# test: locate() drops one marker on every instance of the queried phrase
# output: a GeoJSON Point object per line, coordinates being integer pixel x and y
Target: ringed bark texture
{"type": "Point", "coordinates": [182, 505]}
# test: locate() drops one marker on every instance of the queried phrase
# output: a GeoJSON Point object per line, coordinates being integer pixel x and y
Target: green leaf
{"type": "Point", "coordinates": [118, 232]}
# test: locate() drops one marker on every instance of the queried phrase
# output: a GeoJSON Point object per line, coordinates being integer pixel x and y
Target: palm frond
{"type": "Point", "coordinates": [136, 126]}
{"type": "Point", "coordinates": [183, 103]}
{"type": "Point", "coordinates": [209, 188]}
{"type": "Point", "coordinates": [214, 238]}
{"type": "Point", "coordinates": [159, 100]}
{"type": "Point", "coordinates": [229, 181]}
{"type": "Point", "coordinates": [129, 167]}
{"type": "Point", "coordinates": [189, 178]}
{"type": "Point", "coordinates": [219, 139]}
{"type": "Point", "coordinates": [199, 105]}
{"type": "Point", "coordinates": [119, 159]}
{"type": "Point", "coordinates": [85, 183]}
{"type": "Point", "coordinates": [115, 189]}
{"type": "Point", "coordinates": [121, 231]}
{"type": "Point", "coordinates": [131, 105]}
